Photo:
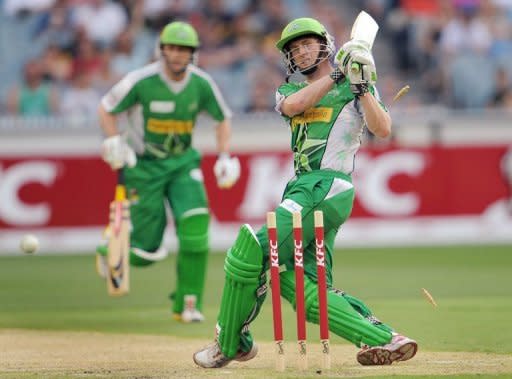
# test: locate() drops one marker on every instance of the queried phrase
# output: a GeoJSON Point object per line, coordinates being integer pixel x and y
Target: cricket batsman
{"type": "Point", "coordinates": [327, 114]}
{"type": "Point", "coordinates": [165, 169]}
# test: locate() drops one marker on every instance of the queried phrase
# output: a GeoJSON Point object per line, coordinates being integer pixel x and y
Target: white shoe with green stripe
{"type": "Point", "coordinates": [211, 356]}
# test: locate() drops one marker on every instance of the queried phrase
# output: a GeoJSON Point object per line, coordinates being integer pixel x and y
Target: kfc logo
{"type": "Point", "coordinates": [372, 177]}
{"type": "Point", "coordinates": [12, 208]}
{"type": "Point", "coordinates": [268, 178]}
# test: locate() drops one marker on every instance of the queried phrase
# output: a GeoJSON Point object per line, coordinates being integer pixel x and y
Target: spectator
{"type": "Point", "coordinates": [273, 14]}
{"type": "Point", "coordinates": [20, 7]}
{"type": "Point", "coordinates": [127, 54]}
{"type": "Point", "coordinates": [501, 48]}
{"type": "Point", "coordinates": [88, 58]}
{"type": "Point", "coordinates": [503, 89]}
{"type": "Point", "coordinates": [57, 65]}
{"type": "Point", "coordinates": [105, 77]}
{"type": "Point", "coordinates": [102, 20]}
{"type": "Point", "coordinates": [80, 100]}
{"type": "Point", "coordinates": [260, 99]}
{"type": "Point", "coordinates": [33, 97]}
{"type": "Point", "coordinates": [465, 33]}
{"type": "Point", "coordinates": [157, 13]}
{"type": "Point", "coordinates": [55, 26]}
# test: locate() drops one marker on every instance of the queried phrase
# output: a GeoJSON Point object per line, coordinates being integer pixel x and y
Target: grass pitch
{"type": "Point", "coordinates": [60, 299]}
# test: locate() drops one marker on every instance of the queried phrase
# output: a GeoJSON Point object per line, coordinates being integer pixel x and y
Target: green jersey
{"type": "Point", "coordinates": [169, 108]}
{"type": "Point", "coordinates": [327, 136]}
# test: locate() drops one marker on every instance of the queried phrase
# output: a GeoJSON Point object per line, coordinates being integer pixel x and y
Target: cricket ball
{"type": "Point", "coordinates": [29, 243]}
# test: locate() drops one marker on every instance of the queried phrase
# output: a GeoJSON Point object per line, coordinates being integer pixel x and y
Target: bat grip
{"type": "Point", "coordinates": [120, 176]}
{"type": "Point", "coordinates": [120, 194]}
{"type": "Point", "coordinates": [355, 67]}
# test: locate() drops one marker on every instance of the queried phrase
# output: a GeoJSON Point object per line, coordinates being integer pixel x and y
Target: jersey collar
{"type": "Point", "coordinates": [175, 86]}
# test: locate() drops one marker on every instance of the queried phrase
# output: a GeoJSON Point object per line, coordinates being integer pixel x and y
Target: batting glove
{"type": "Point", "coordinates": [117, 153]}
{"type": "Point", "coordinates": [226, 170]}
{"type": "Point", "coordinates": [361, 68]}
{"type": "Point", "coordinates": [342, 57]}
{"type": "Point", "coordinates": [356, 62]}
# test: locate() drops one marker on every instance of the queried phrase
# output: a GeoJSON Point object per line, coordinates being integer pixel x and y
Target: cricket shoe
{"type": "Point", "coordinates": [211, 356]}
{"type": "Point", "coordinates": [190, 313]}
{"type": "Point", "coordinates": [400, 348]}
{"type": "Point", "coordinates": [188, 316]}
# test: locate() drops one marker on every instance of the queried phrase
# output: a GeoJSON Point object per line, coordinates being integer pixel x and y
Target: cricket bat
{"type": "Point", "coordinates": [364, 30]}
{"type": "Point", "coordinates": [118, 257]}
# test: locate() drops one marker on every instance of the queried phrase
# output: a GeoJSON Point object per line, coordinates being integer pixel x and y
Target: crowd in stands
{"type": "Point", "coordinates": [61, 56]}
{"type": "Point", "coordinates": [457, 52]}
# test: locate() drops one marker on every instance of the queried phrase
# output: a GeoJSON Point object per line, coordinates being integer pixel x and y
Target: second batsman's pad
{"type": "Point", "coordinates": [344, 320]}
{"type": "Point", "coordinates": [243, 266]}
{"type": "Point", "coordinates": [139, 257]}
{"type": "Point", "coordinates": [192, 232]}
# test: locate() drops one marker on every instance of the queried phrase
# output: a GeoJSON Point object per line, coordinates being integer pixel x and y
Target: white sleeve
{"type": "Point", "coordinates": [279, 101]}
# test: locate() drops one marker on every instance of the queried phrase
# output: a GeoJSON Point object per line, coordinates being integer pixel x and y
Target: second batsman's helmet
{"type": "Point", "coordinates": [179, 33]}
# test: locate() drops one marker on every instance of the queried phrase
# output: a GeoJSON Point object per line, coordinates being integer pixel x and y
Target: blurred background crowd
{"type": "Point", "coordinates": [60, 56]}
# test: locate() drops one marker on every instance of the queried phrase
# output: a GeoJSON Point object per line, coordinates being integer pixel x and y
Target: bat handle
{"type": "Point", "coordinates": [355, 67]}
{"type": "Point", "coordinates": [120, 176]}
{"type": "Point", "coordinates": [120, 193]}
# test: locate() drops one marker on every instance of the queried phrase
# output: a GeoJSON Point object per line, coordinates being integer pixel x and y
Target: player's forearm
{"type": "Point", "coordinates": [307, 97]}
{"type": "Point", "coordinates": [108, 122]}
{"type": "Point", "coordinates": [223, 136]}
{"type": "Point", "coordinates": [377, 119]}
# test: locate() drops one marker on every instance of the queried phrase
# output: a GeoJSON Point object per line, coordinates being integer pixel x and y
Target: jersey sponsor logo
{"type": "Point", "coordinates": [321, 114]}
{"type": "Point", "coordinates": [162, 106]}
{"type": "Point", "coordinates": [170, 126]}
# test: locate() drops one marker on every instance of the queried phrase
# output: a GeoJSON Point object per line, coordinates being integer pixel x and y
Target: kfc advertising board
{"type": "Point", "coordinates": [414, 195]}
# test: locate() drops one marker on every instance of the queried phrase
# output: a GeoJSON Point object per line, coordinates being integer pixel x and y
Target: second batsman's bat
{"type": "Point", "coordinates": [118, 257]}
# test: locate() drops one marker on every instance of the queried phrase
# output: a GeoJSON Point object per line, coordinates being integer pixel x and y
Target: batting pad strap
{"type": "Point", "coordinates": [243, 266]}
{"type": "Point", "coordinates": [240, 271]}
{"type": "Point", "coordinates": [151, 257]}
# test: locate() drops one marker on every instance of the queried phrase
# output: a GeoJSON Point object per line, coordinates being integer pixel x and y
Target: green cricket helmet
{"type": "Point", "coordinates": [302, 27]}
{"type": "Point", "coordinates": [179, 33]}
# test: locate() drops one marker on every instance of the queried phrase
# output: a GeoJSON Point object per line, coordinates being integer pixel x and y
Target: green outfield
{"type": "Point", "coordinates": [471, 284]}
